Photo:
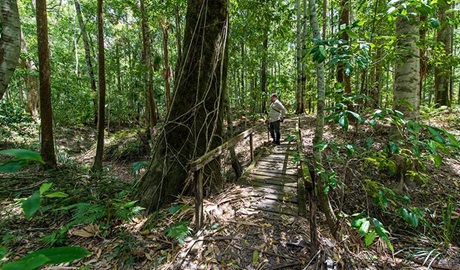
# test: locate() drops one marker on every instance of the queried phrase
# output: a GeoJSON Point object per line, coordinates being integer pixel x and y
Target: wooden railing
{"type": "Point", "coordinates": [197, 165]}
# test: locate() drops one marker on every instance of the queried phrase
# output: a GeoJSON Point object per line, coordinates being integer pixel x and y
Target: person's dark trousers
{"type": "Point", "coordinates": [275, 131]}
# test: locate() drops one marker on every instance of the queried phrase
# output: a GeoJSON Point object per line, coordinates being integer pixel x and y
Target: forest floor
{"type": "Point", "coordinates": [99, 216]}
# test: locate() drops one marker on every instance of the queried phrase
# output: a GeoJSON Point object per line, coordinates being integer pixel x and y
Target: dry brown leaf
{"type": "Point", "coordinates": [86, 232]}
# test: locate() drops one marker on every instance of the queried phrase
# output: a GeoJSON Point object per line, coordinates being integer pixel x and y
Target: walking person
{"type": "Point", "coordinates": [276, 116]}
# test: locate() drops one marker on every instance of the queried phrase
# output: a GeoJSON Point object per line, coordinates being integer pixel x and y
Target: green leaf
{"type": "Point", "coordinates": [321, 146]}
{"type": "Point", "coordinates": [351, 34]}
{"type": "Point", "coordinates": [30, 262]}
{"type": "Point", "coordinates": [57, 194]}
{"type": "Point", "coordinates": [61, 254]}
{"type": "Point", "coordinates": [437, 160]}
{"type": "Point", "coordinates": [255, 257]}
{"type": "Point", "coordinates": [12, 166]}
{"type": "Point", "coordinates": [357, 116]}
{"type": "Point", "coordinates": [3, 251]}
{"type": "Point", "coordinates": [356, 223]}
{"type": "Point", "coordinates": [23, 154]}
{"type": "Point", "coordinates": [435, 22]}
{"type": "Point", "coordinates": [369, 238]}
{"type": "Point", "coordinates": [364, 229]}
{"type": "Point", "coordinates": [31, 204]}
{"type": "Point", "coordinates": [44, 187]}
{"type": "Point", "coordinates": [436, 135]}
{"type": "Point", "coordinates": [343, 121]}
{"type": "Point", "coordinates": [394, 148]}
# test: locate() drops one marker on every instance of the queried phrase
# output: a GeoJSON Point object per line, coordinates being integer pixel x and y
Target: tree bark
{"type": "Point", "coordinates": [97, 166]}
{"type": "Point", "coordinates": [323, 198]}
{"type": "Point", "coordinates": [442, 73]}
{"type": "Point", "coordinates": [30, 80]}
{"type": "Point", "coordinates": [89, 63]}
{"type": "Point", "coordinates": [46, 111]}
{"type": "Point", "coordinates": [167, 72]}
{"type": "Point", "coordinates": [10, 42]}
{"type": "Point", "coordinates": [151, 117]}
{"type": "Point", "coordinates": [344, 21]}
{"type": "Point", "coordinates": [407, 77]}
{"type": "Point", "coordinates": [193, 126]}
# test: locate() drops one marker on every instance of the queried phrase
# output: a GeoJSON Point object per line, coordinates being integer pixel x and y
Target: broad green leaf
{"type": "Point", "coordinates": [12, 166]}
{"type": "Point", "coordinates": [435, 22]}
{"type": "Point", "coordinates": [352, 34]}
{"type": "Point", "coordinates": [364, 229]}
{"type": "Point", "coordinates": [321, 146]}
{"type": "Point", "coordinates": [23, 154]}
{"type": "Point", "coordinates": [436, 135]}
{"type": "Point", "coordinates": [57, 194]}
{"type": "Point", "coordinates": [343, 121]}
{"type": "Point", "coordinates": [29, 262]}
{"type": "Point", "coordinates": [61, 254]}
{"type": "Point", "coordinates": [31, 204]}
{"type": "Point", "coordinates": [394, 148]}
{"type": "Point", "coordinates": [45, 187]}
{"type": "Point", "coordinates": [452, 139]}
{"type": "Point", "coordinates": [3, 251]}
{"type": "Point", "coordinates": [437, 160]}
{"type": "Point", "coordinates": [356, 223]}
{"type": "Point", "coordinates": [369, 238]}
{"type": "Point", "coordinates": [357, 116]}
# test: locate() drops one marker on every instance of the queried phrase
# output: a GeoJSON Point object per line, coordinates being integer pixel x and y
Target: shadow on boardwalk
{"type": "Point", "coordinates": [254, 224]}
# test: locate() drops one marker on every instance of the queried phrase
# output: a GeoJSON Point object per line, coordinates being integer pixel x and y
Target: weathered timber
{"type": "Point", "coordinates": [211, 155]}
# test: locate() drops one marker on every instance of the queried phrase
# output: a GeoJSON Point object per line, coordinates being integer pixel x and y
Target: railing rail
{"type": "Point", "coordinates": [196, 167]}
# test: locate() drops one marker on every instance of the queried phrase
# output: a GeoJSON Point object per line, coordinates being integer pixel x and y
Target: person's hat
{"type": "Point", "coordinates": [274, 95]}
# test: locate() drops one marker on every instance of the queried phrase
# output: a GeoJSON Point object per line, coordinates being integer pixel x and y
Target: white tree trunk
{"type": "Point", "coordinates": [407, 79]}
{"type": "Point", "coordinates": [10, 42]}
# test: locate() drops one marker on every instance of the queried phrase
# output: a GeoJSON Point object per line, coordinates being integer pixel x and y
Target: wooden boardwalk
{"type": "Point", "coordinates": [274, 179]}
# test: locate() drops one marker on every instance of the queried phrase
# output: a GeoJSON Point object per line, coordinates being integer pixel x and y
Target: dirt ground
{"type": "Point", "coordinates": [235, 237]}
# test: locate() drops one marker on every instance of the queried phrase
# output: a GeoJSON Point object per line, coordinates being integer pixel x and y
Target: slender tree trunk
{"type": "Point", "coordinates": [407, 71]}
{"type": "Point", "coordinates": [344, 21]}
{"type": "Point", "coordinates": [442, 73]}
{"type": "Point", "coordinates": [194, 124]}
{"type": "Point", "coordinates": [10, 42]}
{"type": "Point", "coordinates": [97, 166]}
{"type": "Point", "coordinates": [89, 63]}
{"type": "Point", "coordinates": [167, 72]}
{"type": "Point", "coordinates": [299, 60]}
{"type": "Point", "coordinates": [323, 198]}
{"type": "Point", "coordinates": [46, 111]}
{"type": "Point", "coordinates": [263, 73]}
{"type": "Point", "coordinates": [151, 115]}
{"type": "Point", "coordinates": [178, 33]}
{"type": "Point", "coordinates": [30, 79]}
{"type": "Point", "coordinates": [236, 165]}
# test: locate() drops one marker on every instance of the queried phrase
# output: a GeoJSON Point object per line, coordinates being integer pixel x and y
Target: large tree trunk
{"type": "Point", "coordinates": [407, 79]}
{"type": "Point", "coordinates": [46, 111]}
{"type": "Point", "coordinates": [10, 40]}
{"type": "Point", "coordinates": [194, 124]}
{"type": "Point", "coordinates": [89, 63]}
{"type": "Point", "coordinates": [323, 198]}
{"type": "Point", "coordinates": [443, 72]}
{"type": "Point", "coordinates": [97, 166]}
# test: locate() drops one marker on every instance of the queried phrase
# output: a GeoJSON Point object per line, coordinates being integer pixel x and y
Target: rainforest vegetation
{"type": "Point", "coordinates": [104, 106]}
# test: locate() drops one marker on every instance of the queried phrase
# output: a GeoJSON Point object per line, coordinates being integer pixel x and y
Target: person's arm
{"type": "Point", "coordinates": [279, 106]}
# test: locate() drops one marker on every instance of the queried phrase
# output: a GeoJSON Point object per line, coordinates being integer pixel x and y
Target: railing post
{"type": "Point", "coordinates": [198, 174]}
{"type": "Point", "coordinates": [251, 146]}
